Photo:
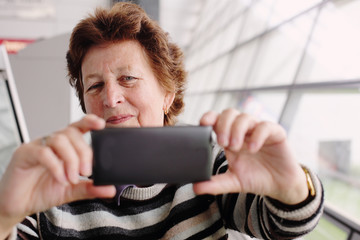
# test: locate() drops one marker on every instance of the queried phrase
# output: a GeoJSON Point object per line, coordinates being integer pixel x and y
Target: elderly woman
{"type": "Point", "coordinates": [127, 74]}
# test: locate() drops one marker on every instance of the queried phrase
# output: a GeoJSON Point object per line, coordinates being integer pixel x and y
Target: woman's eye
{"type": "Point", "coordinates": [128, 81]}
{"type": "Point", "coordinates": [97, 85]}
{"type": "Point", "coordinates": [128, 78]}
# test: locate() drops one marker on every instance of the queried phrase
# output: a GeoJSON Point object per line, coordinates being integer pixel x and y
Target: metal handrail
{"type": "Point", "coordinates": [346, 223]}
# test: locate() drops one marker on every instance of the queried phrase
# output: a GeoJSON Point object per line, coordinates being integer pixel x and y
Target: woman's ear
{"type": "Point", "coordinates": [168, 100]}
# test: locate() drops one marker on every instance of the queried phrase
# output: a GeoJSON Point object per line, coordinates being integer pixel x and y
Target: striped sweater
{"type": "Point", "coordinates": [174, 212]}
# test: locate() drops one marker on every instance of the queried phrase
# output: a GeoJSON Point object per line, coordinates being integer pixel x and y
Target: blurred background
{"type": "Point", "coordinates": [293, 62]}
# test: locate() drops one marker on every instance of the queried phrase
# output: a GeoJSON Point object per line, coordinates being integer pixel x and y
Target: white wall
{"type": "Point", "coordinates": [40, 69]}
{"type": "Point", "coordinates": [40, 75]}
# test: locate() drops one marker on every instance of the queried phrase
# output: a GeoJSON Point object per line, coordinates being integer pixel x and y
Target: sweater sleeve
{"type": "Point", "coordinates": [27, 229]}
{"type": "Point", "coordinates": [264, 218]}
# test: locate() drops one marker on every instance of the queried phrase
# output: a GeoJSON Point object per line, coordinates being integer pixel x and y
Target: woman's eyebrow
{"type": "Point", "coordinates": [92, 75]}
{"type": "Point", "coordinates": [125, 69]}
{"type": "Point", "coordinates": [119, 71]}
{"type": "Point", "coordinates": [129, 69]}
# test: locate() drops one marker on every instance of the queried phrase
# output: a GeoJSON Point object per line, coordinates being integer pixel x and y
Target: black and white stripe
{"type": "Point", "coordinates": [174, 212]}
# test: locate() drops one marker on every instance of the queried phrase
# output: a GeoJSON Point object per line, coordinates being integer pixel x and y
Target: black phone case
{"type": "Point", "coordinates": [149, 155]}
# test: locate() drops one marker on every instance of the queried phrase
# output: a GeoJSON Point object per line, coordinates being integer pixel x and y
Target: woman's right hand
{"type": "Point", "coordinates": [45, 173]}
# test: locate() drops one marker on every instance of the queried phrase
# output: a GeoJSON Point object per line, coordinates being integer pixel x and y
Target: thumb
{"type": "Point", "coordinates": [218, 184]}
{"type": "Point", "coordinates": [86, 190]}
{"type": "Point", "coordinates": [89, 122]}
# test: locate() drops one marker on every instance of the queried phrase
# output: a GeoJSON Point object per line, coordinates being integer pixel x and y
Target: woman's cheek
{"type": "Point", "coordinates": [93, 106]}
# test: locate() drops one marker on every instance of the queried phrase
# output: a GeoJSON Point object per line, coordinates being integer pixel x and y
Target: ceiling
{"type": "Point", "coordinates": [179, 18]}
{"type": "Point", "coordinates": [41, 19]}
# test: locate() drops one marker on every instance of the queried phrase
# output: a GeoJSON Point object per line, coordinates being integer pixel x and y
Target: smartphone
{"type": "Point", "coordinates": [148, 155]}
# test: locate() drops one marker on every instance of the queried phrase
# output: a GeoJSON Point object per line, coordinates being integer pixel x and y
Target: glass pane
{"type": "Point", "coordinates": [212, 8]}
{"type": "Point", "coordinates": [198, 79]}
{"type": "Point", "coordinates": [256, 19]}
{"type": "Point", "coordinates": [226, 25]}
{"type": "Point", "coordinates": [264, 105]}
{"type": "Point", "coordinates": [212, 50]}
{"type": "Point", "coordinates": [334, 52]}
{"type": "Point", "coordinates": [325, 135]}
{"type": "Point", "coordinates": [195, 107]}
{"type": "Point", "coordinates": [230, 34]}
{"type": "Point", "coordinates": [193, 61]}
{"type": "Point", "coordinates": [207, 52]}
{"type": "Point", "coordinates": [327, 230]}
{"type": "Point", "coordinates": [239, 66]}
{"type": "Point", "coordinates": [280, 53]}
{"type": "Point", "coordinates": [9, 137]}
{"type": "Point", "coordinates": [216, 74]}
{"type": "Point", "coordinates": [212, 18]}
{"type": "Point", "coordinates": [285, 9]}
{"type": "Point", "coordinates": [226, 100]}
{"type": "Point", "coordinates": [186, 117]}
{"type": "Point", "coordinates": [193, 80]}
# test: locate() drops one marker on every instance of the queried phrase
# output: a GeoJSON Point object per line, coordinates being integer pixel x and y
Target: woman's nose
{"type": "Point", "coordinates": [113, 95]}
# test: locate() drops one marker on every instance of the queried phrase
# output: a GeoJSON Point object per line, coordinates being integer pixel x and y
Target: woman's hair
{"type": "Point", "coordinates": [127, 21]}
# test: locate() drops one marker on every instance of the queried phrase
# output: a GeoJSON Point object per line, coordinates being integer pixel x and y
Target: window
{"type": "Point", "coordinates": [297, 64]}
{"type": "Point", "coordinates": [12, 126]}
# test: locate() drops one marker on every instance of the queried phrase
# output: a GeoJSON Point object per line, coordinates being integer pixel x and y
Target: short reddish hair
{"type": "Point", "coordinates": [127, 21]}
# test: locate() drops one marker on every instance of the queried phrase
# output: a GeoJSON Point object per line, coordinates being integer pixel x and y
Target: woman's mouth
{"type": "Point", "coordinates": [118, 119]}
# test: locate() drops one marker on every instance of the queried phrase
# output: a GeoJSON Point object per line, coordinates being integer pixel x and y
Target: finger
{"type": "Point", "coordinates": [62, 147]}
{"type": "Point", "coordinates": [209, 118]}
{"type": "Point", "coordinates": [89, 122]}
{"type": "Point", "coordinates": [242, 125]}
{"type": "Point", "coordinates": [219, 184]}
{"type": "Point", "coordinates": [82, 149]}
{"type": "Point", "coordinates": [46, 158]}
{"type": "Point", "coordinates": [265, 133]}
{"type": "Point", "coordinates": [223, 126]}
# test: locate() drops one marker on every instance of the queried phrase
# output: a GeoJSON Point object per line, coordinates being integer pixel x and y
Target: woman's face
{"type": "Point", "coordinates": [120, 86]}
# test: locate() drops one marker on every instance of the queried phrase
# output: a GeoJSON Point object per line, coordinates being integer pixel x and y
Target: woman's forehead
{"type": "Point", "coordinates": [130, 47]}
{"type": "Point", "coordinates": [123, 56]}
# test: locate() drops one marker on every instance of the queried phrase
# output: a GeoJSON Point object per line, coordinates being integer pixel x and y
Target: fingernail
{"type": "Point", "coordinates": [86, 169]}
{"type": "Point", "coordinates": [74, 177]}
{"type": "Point", "coordinates": [234, 142]}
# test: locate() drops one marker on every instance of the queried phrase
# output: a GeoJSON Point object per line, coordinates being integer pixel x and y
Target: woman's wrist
{"type": "Point", "coordinates": [299, 191]}
{"type": "Point", "coordinates": [306, 193]}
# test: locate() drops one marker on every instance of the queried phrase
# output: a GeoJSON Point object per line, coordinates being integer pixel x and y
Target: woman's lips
{"type": "Point", "coordinates": [118, 119]}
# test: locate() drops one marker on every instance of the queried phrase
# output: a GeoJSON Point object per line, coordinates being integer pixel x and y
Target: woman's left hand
{"type": "Point", "coordinates": [259, 159]}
